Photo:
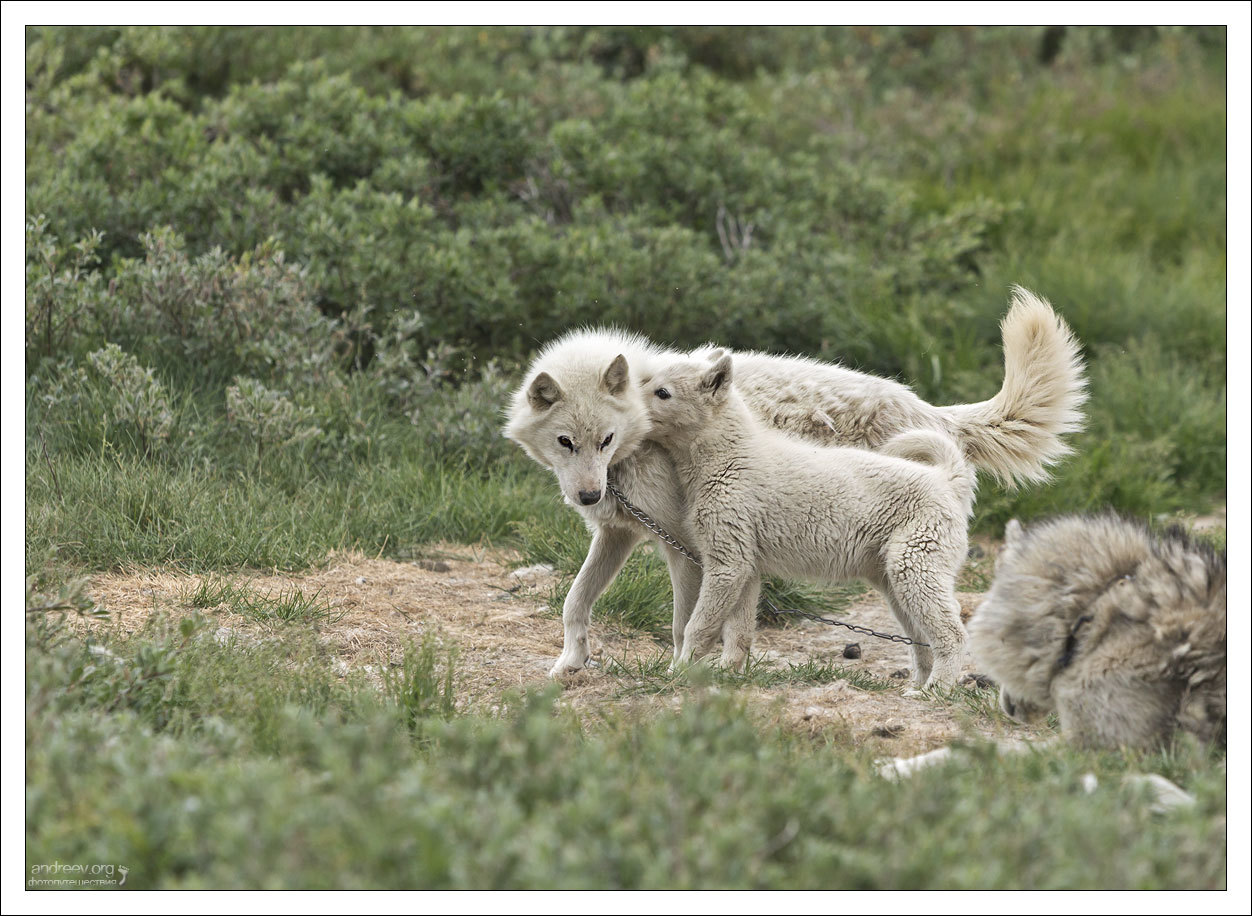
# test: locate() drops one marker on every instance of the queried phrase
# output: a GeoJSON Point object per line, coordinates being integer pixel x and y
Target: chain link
{"type": "Point", "coordinates": [646, 520]}
{"type": "Point", "coordinates": [652, 525]}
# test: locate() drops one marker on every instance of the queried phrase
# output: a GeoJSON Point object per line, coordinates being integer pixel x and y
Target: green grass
{"type": "Point", "coordinates": [417, 688]}
{"type": "Point", "coordinates": [1119, 218]}
{"type": "Point", "coordinates": [646, 676]}
{"type": "Point", "coordinates": [287, 605]}
{"type": "Point", "coordinates": [200, 765]}
{"type": "Point", "coordinates": [102, 513]}
{"type": "Point", "coordinates": [1113, 183]}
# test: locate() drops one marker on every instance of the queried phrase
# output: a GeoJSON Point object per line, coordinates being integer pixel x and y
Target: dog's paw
{"type": "Point", "coordinates": [567, 664]}
{"type": "Point", "coordinates": [976, 682]}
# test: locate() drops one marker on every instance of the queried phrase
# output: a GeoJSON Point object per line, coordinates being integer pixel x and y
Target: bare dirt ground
{"type": "Point", "coordinates": [507, 637]}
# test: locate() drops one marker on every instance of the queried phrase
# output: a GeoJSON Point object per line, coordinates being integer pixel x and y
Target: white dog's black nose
{"type": "Point", "coordinates": [589, 497]}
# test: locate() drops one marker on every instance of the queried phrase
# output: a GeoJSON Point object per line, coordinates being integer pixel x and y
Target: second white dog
{"type": "Point", "coordinates": [761, 502]}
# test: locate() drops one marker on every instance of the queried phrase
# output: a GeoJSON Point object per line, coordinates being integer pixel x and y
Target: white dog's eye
{"type": "Point", "coordinates": [663, 394]}
{"type": "Point", "coordinates": [607, 440]}
{"type": "Point", "coordinates": [564, 440]}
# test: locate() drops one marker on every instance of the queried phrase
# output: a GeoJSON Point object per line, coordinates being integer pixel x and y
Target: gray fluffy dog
{"type": "Point", "coordinates": [1121, 632]}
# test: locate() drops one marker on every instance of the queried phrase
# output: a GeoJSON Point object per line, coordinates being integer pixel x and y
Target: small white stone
{"type": "Point", "coordinates": [1165, 795]}
{"type": "Point", "coordinates": [898, 767]}
{"type": "Point", "coordinates": [531, 573]}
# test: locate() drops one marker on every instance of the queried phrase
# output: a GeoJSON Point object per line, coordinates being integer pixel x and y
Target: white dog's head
{"type": "Point", "coordinates": [684, 396]}
{"type": "Point", "coordinates": [579, 424]}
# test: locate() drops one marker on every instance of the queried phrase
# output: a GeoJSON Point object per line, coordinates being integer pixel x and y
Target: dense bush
{"type": "Point", "coordinates": [501, 226]}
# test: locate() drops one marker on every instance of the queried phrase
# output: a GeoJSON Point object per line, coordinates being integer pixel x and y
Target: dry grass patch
{"type": "Point", "coordinates": [505, 637]}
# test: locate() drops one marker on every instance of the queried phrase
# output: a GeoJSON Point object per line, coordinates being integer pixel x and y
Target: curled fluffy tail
{"type": "Point", "coordinates": [939, 451]}
{"type": "Point", "coordinates": [1017, 433]}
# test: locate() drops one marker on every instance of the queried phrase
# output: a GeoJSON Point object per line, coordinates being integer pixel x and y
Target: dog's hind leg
{"type": "Point", "coordinates": [610, 546]}
{"type": "Point", "coordinates": [920, 578]}
{"type": "Point", "coordinates": [930, 616]}
{"type": "Point", "coordinates": [938, 618]}
{"type": "Point", "coordinates": [947, 638]}
{"type": "Point", "coordinates": [740, 627]}
{"type": "Point", "coordinates": [684, 576]}
{"type": "Point", "coordinates": [921, 659]}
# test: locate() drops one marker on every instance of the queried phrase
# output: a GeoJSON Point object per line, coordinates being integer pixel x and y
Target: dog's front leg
{"type": "Point", "coordinates": [740, 627]}
{"type": "Point", "coordinates": [684, 576]}
{"type": "Point", "coordinates": [610, 546]}
{"type": "Point", "coordinates": [721, 589]}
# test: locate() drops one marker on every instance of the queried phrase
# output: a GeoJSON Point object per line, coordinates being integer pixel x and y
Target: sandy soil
{"type": "Point", "coordinates": [507, 637]}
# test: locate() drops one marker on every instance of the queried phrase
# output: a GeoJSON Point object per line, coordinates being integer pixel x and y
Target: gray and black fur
{"type": "Point", "coordinates": [1119, 631]}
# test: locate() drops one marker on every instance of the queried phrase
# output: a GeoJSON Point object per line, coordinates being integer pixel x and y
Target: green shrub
{"type": "Point", "coordinates": [266, 417]}
{"type": "Point", "coordinates": [111, 401]}
{"type": "Point", "coordinates": [218, 315]}
{"type": "Point", "coordinates": [63, 295]}
{"type": "Point", "coordinates": [501, 227]}
{"type": "Point", "coordinates": [226, 765]}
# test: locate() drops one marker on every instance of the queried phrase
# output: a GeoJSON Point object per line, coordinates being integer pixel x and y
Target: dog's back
{"type": "Point", "coordinates": [844, 493]}
{"type": "Point", "coordinates": [1120, 632]}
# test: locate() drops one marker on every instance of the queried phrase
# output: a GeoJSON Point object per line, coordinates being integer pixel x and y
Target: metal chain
{"type": "Point", "coordinates": [890, 637]}
{"type": "Point", "coordinates": [646, 520]}
{"type": "Point", "coordinates": [652, 525]}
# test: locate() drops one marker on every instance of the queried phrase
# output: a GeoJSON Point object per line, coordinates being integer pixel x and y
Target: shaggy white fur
{"type": "Point", "coordinates": [760, 502]}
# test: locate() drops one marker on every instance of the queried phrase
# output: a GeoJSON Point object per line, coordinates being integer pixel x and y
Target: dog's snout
{"type": "Point", "coordinates": [589, 497]}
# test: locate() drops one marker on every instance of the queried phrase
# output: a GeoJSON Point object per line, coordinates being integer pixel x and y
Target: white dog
{"type": "Point", "coordinates": [760, 502]}
{"type": "Point", "coordinates": [579, 413]}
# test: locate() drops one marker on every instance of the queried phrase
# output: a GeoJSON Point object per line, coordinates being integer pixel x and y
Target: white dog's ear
{"type": "Point", "coordinates": [616, 376]}
{"type": "Point", "coordinates": [1012, 532]}
{"type": "Point", "coordinates": [715, 354]}
{"type": "Point", "coordinates": [543, 392]}
{"type": "Point", "coordinates": [716, 379]}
